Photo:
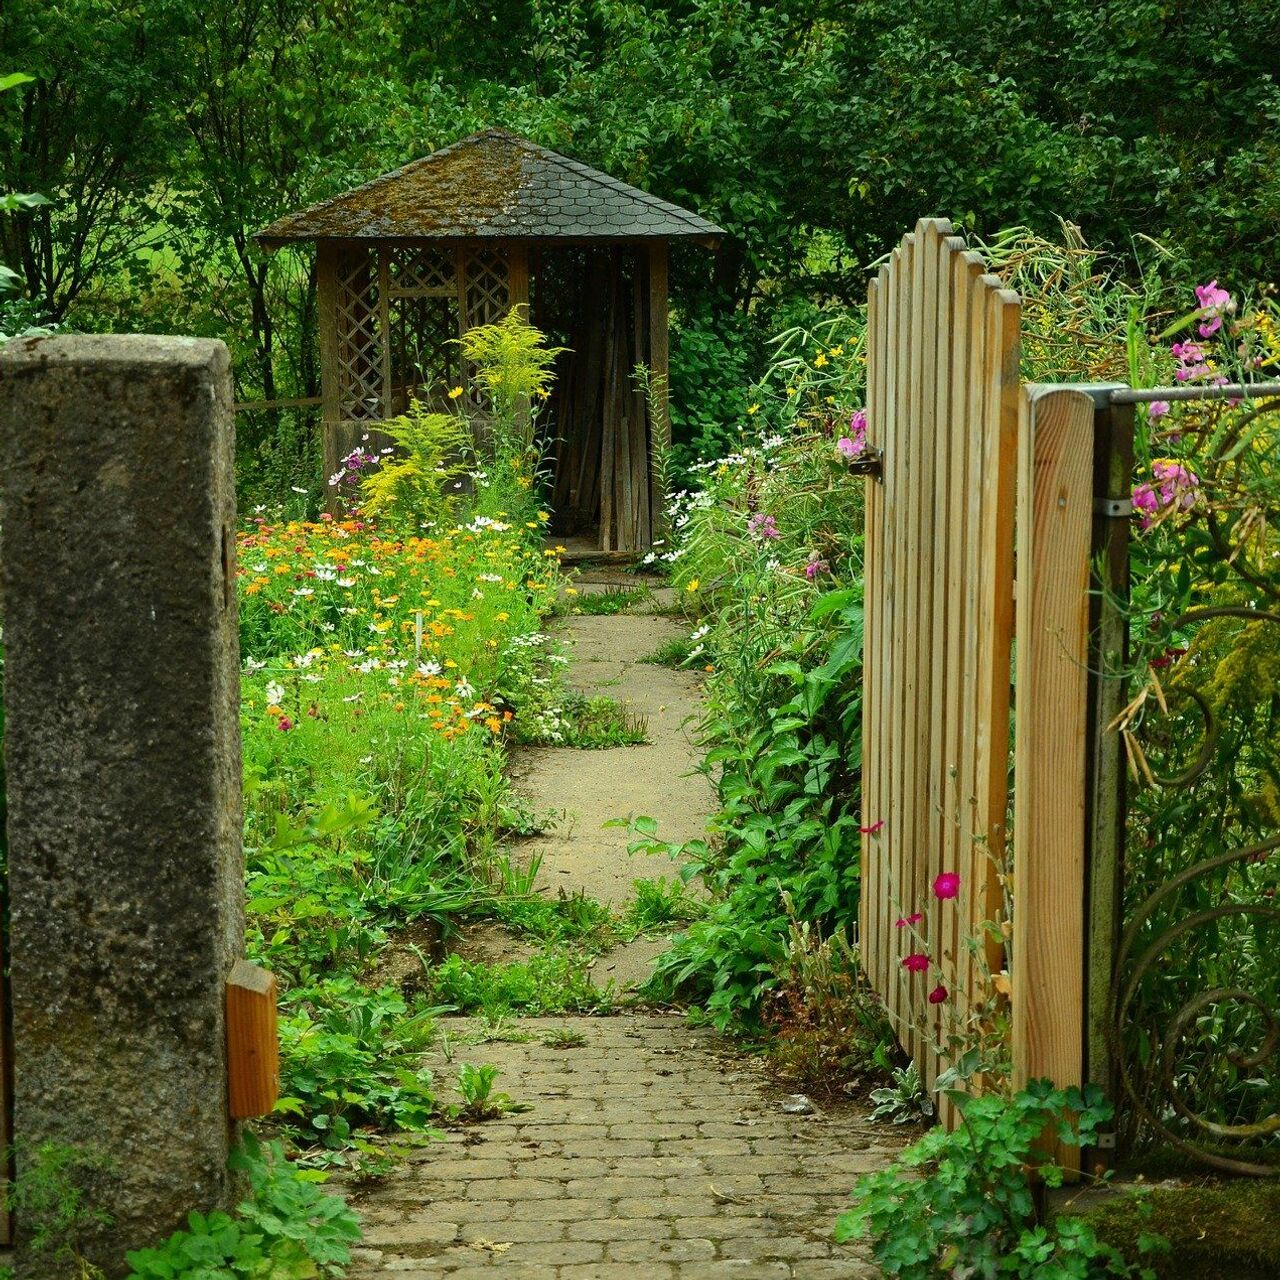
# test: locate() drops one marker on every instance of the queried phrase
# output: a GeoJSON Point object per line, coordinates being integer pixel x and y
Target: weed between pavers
{"type": "Point", "coordinates": [587, 722]}
{"type": "Point", "coordinates": [613, 600]}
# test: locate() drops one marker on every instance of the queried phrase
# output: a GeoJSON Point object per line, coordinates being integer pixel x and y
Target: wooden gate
{"type": "Point", "coordinates": [972, 463]}
{"type": "Point", "coordinates": [942, 407]}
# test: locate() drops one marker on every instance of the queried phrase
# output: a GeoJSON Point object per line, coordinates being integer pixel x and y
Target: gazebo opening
{"type": "Point", "coordinates": [410, 261]}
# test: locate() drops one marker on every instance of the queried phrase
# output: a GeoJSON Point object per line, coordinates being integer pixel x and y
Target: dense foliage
{"type": "Point", "coordinates": [961, 1203]}
{"type": "Point", "coordinates": [166, 133]}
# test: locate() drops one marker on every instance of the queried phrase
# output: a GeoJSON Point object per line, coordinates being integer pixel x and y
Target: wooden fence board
{"type": "Point", "coordinates": [1055, 513]}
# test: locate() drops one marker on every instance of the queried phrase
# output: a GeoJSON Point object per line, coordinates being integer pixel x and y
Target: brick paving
{"type": "Point", "coordinates": [654, 1145]}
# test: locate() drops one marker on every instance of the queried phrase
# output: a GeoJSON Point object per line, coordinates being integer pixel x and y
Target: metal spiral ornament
{"type": "Point", "coordinates": [1138, 959]}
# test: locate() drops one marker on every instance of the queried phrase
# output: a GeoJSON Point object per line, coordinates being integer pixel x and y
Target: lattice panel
{"type": "Point", "coordinates": [424, 352]}
{"type": "Point", "coordinates": [424, 272]}
{"type": "Point", "coordinates": [487, 298]}
{"type": "Point", "coordinates": [361, 351]}
{"type": "Point", "coordinates": [488, 290]}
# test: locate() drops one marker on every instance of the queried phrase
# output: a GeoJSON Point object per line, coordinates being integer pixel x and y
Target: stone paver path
{"type": "Point", "coordinates": [650, 1148]}
{"type": "Point", "coordinates": [653, 1145]}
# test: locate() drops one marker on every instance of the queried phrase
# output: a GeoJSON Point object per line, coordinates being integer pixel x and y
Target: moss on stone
{"type": "Point", "coordinates": [1217, 1228]}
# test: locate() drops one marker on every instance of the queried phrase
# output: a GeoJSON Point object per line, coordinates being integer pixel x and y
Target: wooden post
{"type": "Point", "coordinates": [1055, 512]}
{"type": "Point", "coordinates": [330, 390]}
{"type": "Point", "coordinates": [384, 328]}
{"type": "Point", "coordinates": [1108, 662]}
{"type": "Point", "coordinates": [659, 373]}
{"type": "Point", "coordinates": [253, 1048]}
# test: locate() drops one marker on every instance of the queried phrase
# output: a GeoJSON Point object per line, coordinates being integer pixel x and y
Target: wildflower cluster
{"type": "Point", "coordinates": [945, 887]}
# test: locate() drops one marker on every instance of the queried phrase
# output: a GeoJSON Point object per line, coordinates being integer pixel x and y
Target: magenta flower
{"type": "Point", "coordinates": [1157, 409]}
{"type": "Point", "coordinates": [916, 962]}
{"type": "Point", "coordinates": [938, 994]}
{"type": "Point", "coordinates": [1213, 302]}
{"type": "Point", "coordinates": [815, 566]}
{"type": "Point", "coordinates": [904, 921]}
{"type": "Point", "coordinates": [854, 444]}
{"type": "Point", "coordinates": [874, 829]}
{"type": "Point", "coordinates": [763, 526]}
{"type": "Point", "coordinates": [284, 724]}
{"type": "Point", "coordinates": [846, 447]}
{"type": "Point", "coordinates": [947, 885]}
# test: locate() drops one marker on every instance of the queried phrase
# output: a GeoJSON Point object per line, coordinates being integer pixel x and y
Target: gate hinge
{"type": "Point", "coordinates": [1113, 508]}
{"type": "Point", "coordinates": [870, 462]}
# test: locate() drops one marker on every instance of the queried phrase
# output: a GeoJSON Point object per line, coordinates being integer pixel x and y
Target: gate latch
{"type": "Point", "coordinates": [870, 462]}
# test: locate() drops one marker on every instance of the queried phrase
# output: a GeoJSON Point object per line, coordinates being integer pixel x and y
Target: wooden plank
{"type": "Point", "coordinates": [330, 374]}
{"type": "Point", "coordinates": [253, 1046]}
{"type": "Point", "coordinates": [659, 371]}
{"type": "Point", "coordinates": [1000, 465]}
{"type": "Point", "coordinates": [897, 650]}
{"type": "Point", "coordinates": [943, 568]}
{"type": "Point", "coordinates": [871, 908]}
{"type": "Point", "coordinates": [1055, 465]}
{"type": "Point", "coordinates": [384, 329]}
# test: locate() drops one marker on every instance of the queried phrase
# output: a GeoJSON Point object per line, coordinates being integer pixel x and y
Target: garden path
{"type": "Point", "coordinates": [648, 1143]}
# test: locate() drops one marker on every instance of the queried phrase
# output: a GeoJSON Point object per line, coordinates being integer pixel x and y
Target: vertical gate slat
{"type": "Point", "coordinates": [1055, 513]}
{"type": "Point", "coordinates": [896, 653]}
{"type": "Point", "coordinates": [872, 576]}
{"type": "Point", "coordinates": [882, 377]}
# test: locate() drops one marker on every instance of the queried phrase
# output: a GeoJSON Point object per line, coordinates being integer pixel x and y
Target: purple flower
{"type": "Point", "coordinates": [764, 527]}
{"type": "Point", "coordinates": [815, 566]}
{"type": "Point", "coordinates": [855, 443]}
{"type": "Point", "coordinates": [1157, 409]}
{"type": "Point", "coordinates": [1213, 302]}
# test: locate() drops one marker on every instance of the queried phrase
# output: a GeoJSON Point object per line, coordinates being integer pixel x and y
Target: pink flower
{"type": "Point", "coordinates": [854, 444]}
{"type": "Point", "coordinates": [1157, 408]}
{"type": "Point", "coordinates": [916, 962]}
{"type": "Point", "coordinates": [947, 885]}
{"type": "Point", "coordinates": [284, 724]}
{"type": "Point", "coordinates": [764, 526]}
{"type": "Point", "coordinates": [874, 829]}
{"type": "Point", "coordinates": [904, 922]}
{"type": "Point", "coordinates": [1213, 302]}
{"type": "Point", "coordinates": [815, 566]}
{"type": "Point", "coordinates": [938, 994]}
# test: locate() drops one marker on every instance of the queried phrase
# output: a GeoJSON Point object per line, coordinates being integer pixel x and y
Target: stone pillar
{"type": "Point", "coordinates": [123, 755]}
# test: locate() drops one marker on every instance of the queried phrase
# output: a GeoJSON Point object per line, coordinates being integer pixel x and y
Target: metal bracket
{"type": "Point", "coordinates": [1113, 508]}
{"type": "Point", "coordinates": [1104, 1141]}
{"type": "Point", "coordinates": [869, 463]}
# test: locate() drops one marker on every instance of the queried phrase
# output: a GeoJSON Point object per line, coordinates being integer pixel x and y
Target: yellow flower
{"type": "Point", "coordinates": [753, 409]}
{"type": "Point", "coordinates": [693, 586]}
{"type": "Point", "coordinates": [455, 393]}
{"type": "Point", "coordinates": [571, 591]}
{"type": "Point", "coordinates": [820, 360]}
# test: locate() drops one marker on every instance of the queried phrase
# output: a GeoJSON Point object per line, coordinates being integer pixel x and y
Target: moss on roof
{"type": "Point", "coordinates": [491, 184]}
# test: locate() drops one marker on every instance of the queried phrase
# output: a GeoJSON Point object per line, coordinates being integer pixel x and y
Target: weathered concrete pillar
{"type": "Point", "coordinates": [123, 753]}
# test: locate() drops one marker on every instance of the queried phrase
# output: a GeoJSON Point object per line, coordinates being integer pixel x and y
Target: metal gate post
{"type": "Point", "coordinates": [1108, 680]}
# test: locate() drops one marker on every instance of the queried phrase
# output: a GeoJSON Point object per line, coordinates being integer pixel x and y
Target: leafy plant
{"type": "Point", "coordinates": [58, 1193]}
{"type": "Point", "coordinates": [351, 1057]}
{"type": "Point", "coordinates": [554, 982]}
{"type": "Point", "coordinates": [613, 600]}
{"type": "Point", "coordinates": [479, 1102]}
{"type": "Point", "coordinates": [962, 1202]}
{"type": "Point", "coordinates": [287, 1229]}
{"type": "Point", "coordinates": [589, 722]}
{"type": "Point", "coordinates": [659, 903]}
{"type": "Point", "coordinates": [905, 1101]}
{"type": "Point", "coordinates": [419, 485]}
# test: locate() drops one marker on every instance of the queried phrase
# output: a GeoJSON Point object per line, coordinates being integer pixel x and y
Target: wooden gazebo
{"type": "Point", "coordinates": [411, 260]}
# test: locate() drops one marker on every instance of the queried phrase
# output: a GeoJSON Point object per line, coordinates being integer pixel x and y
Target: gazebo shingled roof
{"type": "Point", "coordinates": [492, 184]}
